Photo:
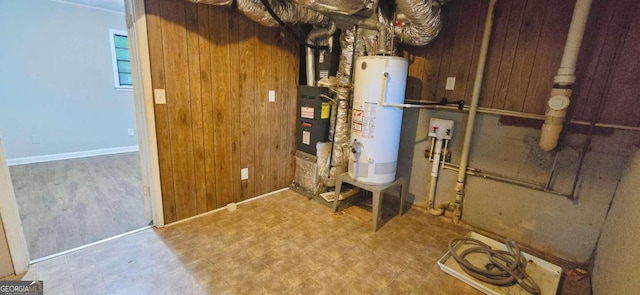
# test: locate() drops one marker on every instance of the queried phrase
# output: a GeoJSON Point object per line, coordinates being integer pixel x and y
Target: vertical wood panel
{"type": "Point", "coordinates": [430, 73]}
{"type": "Point", "coordinates": [283, 102]}
{"type": "Point", "coordinates": [178, 105]}
{"type": "Point", "coordinates": [291, 60]}
{"type": "Point", "coordinates": [508, 53]}
{"type": "Point", "coordinates": [156, 55]}
{"type": "Point", "coordinates": [609, 37]}
{"type": "Point", "coordinates": [528, 40]}
{"type": "Point", "coordinates": [274, 108]}
{"type": "Point", "coordinates": [480, 21]}
{"type": "Point", "coordinates": [625, 85]}
{"type": "Point", "coordinates": [415, 73]}
{"type": "Point", "coordinates": [246, 76]}
{"type": "Point", "coordinates": [220, 69]}
{"type": "Point", "coordinates": [449, 17]}
{"type": "Point", "coordinates": [195, 91]}
{"type": "Point", "coordinates": [234, 108]}
{"type": "Point", "coordinates": [501, 14]}
{"type": "Point", "coordinates": [207, 106]}
{"type": "Point", "coordinates": [262, 76]}
{"type": "Point", "coordinates": [607, 29]}
{"type": "Point", "coordinates": [466, 28]}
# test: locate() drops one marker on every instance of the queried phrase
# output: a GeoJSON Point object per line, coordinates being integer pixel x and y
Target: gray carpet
{"type": "Point", "coordinates": [70, 203]}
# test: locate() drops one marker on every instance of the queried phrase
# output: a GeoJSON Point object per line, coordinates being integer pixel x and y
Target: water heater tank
{"type": "Point", "coordinates": [375, 129]}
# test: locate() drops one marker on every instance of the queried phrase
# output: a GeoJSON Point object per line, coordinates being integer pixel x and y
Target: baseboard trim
{"type": "Point", "coordinates": [72, 155]}
{"type": "Point", "coordinates": [225, 208]}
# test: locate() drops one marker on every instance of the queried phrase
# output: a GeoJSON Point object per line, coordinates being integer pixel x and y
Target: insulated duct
{"type": "Point", "coordinates": [420, 22]}
{"type": "Point", "coordinates": [341, 133]}
{"type": "Point", "coordinates": [346, 7]}
{"type": "Point", "coordinates": [256, 11]}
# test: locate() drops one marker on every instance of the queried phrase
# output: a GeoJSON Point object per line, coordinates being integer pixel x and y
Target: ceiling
{"type": "Point", "coordinates": [117, 5]}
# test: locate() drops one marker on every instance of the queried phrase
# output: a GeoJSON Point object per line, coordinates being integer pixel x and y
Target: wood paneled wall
{"type": "Point", "coordinates": [217, 68]}
{"type": "Point", "coordinates": [525, 50]}
{"type": "Point", "coordinates": [609, 64]}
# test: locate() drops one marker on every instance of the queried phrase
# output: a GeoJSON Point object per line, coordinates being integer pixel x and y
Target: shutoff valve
{"type": "Point", "coordinates": [440, 128]}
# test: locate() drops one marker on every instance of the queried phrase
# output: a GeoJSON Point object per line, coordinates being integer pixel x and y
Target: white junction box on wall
{"type": "Point", "coordinates": [440, 128]}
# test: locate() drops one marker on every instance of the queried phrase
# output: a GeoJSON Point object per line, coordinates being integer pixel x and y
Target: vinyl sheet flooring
{"type": "Point", "coordinates": [279, 244]}
{"type": "Point", "coordinates": [69, 203]}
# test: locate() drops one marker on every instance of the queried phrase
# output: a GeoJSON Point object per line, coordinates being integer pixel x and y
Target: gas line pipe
{"type": "Point", "coordinates": [456, 205]}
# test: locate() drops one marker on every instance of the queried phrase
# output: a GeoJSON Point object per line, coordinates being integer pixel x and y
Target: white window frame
{"type": "Point", "coordinates": [114, 61]}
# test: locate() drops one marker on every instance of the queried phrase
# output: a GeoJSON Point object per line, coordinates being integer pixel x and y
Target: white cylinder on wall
{"type": "Point", "coordinates": [375, 128]}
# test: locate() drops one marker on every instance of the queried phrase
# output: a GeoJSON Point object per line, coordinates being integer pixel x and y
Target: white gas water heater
{"type": "Point", "coordinates": [375, 126]}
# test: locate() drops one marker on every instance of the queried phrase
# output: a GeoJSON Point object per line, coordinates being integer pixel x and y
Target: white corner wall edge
{"type": "Point", "coordinates": [143, 95]}
{"type": "Point", "coordinates": [72, 155]}
{"type": "Point", "coordinates": [11, 219]}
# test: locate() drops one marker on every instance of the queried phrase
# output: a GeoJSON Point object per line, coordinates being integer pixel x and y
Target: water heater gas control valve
{"type": "Point", "coordinates": [441, 128]}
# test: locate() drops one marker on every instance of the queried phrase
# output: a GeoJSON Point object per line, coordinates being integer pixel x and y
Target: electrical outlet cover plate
{"type": "Point", "coordinates": [159, 96]}
{"type": "Point", "coordinates": [451, 83]}
{"type": "Point", "coordinates": [441, 128]}
{"type": "Point", "coordinates": [244, 173]}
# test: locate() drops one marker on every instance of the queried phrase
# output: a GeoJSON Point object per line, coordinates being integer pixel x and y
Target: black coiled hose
{"type": "Point", "coordinates": [506, 267]}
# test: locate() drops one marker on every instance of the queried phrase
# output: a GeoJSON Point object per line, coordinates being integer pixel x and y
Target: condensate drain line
{"type": "Point", "coordinates": [505, 267]}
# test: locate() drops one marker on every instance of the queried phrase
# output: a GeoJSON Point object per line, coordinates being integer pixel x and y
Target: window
{"type": "Point", "coordinates": [121, 60]}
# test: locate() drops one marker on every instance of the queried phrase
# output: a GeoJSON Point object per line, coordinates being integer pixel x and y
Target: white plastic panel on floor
{"type": "Point", "coordinates": [545, 274]}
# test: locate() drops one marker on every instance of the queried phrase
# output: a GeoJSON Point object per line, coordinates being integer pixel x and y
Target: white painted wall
{"type": "Point", "coordinates": [56, 80]}
{"type": "Point", "coordinates": [618, 254]}
{"type": "Point", "coordinates": [546, 222]}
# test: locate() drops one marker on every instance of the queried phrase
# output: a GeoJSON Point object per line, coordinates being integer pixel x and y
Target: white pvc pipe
{"type": "Point", "coordinates": [574, 38]}
{"type": "Point", "coordinates": [475, 97]}
{"type": "Point", "coordinates": [564, 79]}
{"type": "Point", "coordinates": [435, 167]}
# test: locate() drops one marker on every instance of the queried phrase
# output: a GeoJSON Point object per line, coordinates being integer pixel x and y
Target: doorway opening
{"type": "Point", "coordinates": [69, 125]}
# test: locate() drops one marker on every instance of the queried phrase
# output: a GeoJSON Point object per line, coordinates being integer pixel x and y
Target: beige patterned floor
{"type": "Point", "coordinates": [280, 244]}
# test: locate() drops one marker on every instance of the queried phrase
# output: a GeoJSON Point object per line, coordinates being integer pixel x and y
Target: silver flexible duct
{"type": "Point", "coordinates": [340, 154]}
{"type": "Point", "coordinates": [288, 13]}
{"type": "Point", "coordinates": [347, 7]}
{"type": "Point", "coordinates": [424, 22]}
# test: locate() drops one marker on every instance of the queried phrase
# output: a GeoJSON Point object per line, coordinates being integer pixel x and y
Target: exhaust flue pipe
{"type": "Point", "coordinates": [310, 58]}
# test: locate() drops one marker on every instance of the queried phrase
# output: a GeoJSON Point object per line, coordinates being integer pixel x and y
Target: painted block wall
{"type": "Point", "coordinates": [548, 223]}
{"type": "Point", "coordinates": [618, 254]}
{"type": "Point", "coordinates": [56, 80]}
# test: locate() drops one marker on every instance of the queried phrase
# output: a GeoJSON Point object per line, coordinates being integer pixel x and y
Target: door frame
{"type": "Point", "coordinates": [145, 115]}
{"type": "Point", "coordinates": [145, 118]}
{"type": "Point", "coordinates": [11, 219]}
